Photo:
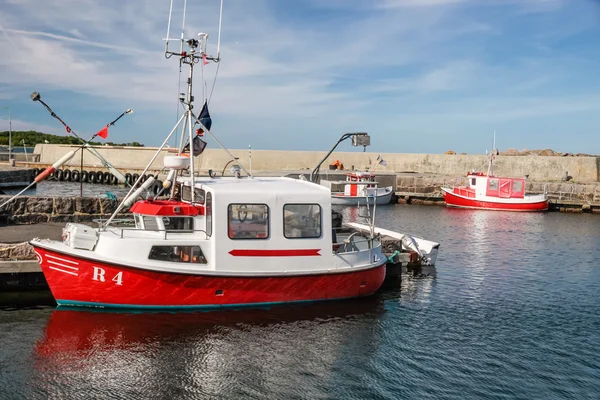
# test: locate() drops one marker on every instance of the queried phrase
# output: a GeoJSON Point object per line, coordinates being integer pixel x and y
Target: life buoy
{"type": "Point", "coordinates": [67, 175]}
{"type": "Point", "coordinates": [75, 176]}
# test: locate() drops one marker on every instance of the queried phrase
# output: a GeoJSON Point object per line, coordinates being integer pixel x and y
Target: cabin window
{"type": "Point", "coordinates": [150, 223]}
{"type": "Point", "coordinates": [248, 221]}
{"type": "Point", "coordinates": [473, 180]}
{"type": "Point", "coordinates": [208, 212]}
{"type": "Point", "coordinates": [138, 221]}
{"type": "Point", "coordinates": [189, 254]}
{"type": "Point", "coordinates": [517, 186]}
{"type": "Point", "coordinates": [302, 221]}
{"type": "Point", "coordinates": [186, 194]}
{"type": "Point", "coordinates": [493, 184]}
{"type": "Point", "coordinates": [178, 223]}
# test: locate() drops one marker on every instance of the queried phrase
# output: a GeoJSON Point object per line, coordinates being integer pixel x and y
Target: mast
{"type": "Point", "coordinates": [192, 51]}
{"type": "Point", "coordinates": [490, 170]}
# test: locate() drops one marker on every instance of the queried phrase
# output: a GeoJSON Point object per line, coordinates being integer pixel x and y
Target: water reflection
{"type": "Point", "coordinates": [237, 352]}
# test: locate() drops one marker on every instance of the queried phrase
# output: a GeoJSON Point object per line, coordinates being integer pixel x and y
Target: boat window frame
{"type": "Point", "coordinates": [268, 223]}
{"type": "Point", "coordinates": [199, 193]}
{"type": "Point", "coordinates": [178, 217]}
{"type": "Point", "coordinates": [320, 221]}
{"type": "Point", "coordinates": [208, 213]}
{"type": "Point", "coordinates": [496, 182]}
{"type": "Point", "coordinates": [201, 257]}
{"type": "Point", "coordinates": [519, 182]}
{"type": "Point", "coordinates": [149, 218]}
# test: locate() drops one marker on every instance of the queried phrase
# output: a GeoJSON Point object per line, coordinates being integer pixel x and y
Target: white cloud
{"type": "Point", "coordinates": [311, 73]}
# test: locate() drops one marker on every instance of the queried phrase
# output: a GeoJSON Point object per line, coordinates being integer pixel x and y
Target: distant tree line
{"type": "Point", "coordinates": [32, 138]}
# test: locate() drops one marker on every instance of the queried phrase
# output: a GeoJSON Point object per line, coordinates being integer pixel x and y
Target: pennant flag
{"type": "Point", "coordinates": [204, 116]}
{"type": "Point", "coordinates": [381, 161]}
{"type": "Point", "coordinates": [204, 60]}
{"type": "Point", "coordinates": [103, 133]}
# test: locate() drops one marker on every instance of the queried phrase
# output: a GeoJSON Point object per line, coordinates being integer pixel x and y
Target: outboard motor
{"type": "Point", "coordinates": [409, 243]}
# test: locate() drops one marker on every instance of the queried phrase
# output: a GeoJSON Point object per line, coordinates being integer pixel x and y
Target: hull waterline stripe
{"type": "Point", "coordinates": [62, 259]}
{"type": "Point", "coordinates": [75, 303]}
{"type": "Point", "coordinates": [61, 270]}
{"type": "Point", "coordinates": [62, 265]}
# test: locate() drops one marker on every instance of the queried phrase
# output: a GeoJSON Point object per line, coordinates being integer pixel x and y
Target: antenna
{"type": "Point", "coordinates": [219, 36]}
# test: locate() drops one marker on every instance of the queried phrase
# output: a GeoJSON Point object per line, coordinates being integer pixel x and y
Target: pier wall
{"type": "Point", "coordinates": [33, 209]}
{"type": "Point", "coordinates": [15, 177]}
{"type": "Point", "coordinates": [540, 168]}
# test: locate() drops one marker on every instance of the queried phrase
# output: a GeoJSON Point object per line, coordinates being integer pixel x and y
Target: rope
{"type": "Point", "coordinates": [178, 102]}
{"type": "Point", "coordinates": [214, 82]}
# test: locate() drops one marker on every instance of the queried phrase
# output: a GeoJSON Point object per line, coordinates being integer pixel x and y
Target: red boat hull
{"type": "Point", "coordinates": [77, 281]}
{"type": "Point", "coordinates": [453, 200]}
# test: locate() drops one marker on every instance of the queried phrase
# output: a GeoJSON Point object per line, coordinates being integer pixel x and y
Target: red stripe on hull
{"type": "Point", "coordinates": [461, 202]}
{"type": "Point", "coordinates": [275, 253]}
{"type": "Point", "coordinates": [143, 288]}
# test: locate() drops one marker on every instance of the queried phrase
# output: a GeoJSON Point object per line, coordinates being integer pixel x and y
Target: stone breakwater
{"type": "Point", "coordinates": [33, 210]}
{"type": "Point", "coordinates": [16, 251]}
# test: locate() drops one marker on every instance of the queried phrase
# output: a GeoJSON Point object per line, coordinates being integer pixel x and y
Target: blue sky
{"type": "Point", "coordinates": [421, 76]}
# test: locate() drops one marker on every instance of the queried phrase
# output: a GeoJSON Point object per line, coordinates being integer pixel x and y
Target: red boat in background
{"type": "Point", "coordinates": [489, 192]}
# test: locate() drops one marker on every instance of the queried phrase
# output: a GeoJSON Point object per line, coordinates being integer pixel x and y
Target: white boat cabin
{"type": "Point", "coordinates": [258, 225]}
{"type": "Point", "coordinates": [480, 185]}
{"type": "Point", "coordinates": [358, 183]}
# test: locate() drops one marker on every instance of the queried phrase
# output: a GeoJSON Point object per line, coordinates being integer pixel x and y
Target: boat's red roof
{"type": "Point", "coordinates": [166, 207]}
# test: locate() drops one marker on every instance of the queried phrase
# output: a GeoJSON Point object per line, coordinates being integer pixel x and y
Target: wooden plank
{"type": "Point", "coordinates": [17, 267]}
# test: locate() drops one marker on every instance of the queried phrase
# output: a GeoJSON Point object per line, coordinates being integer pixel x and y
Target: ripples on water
{"type": "Point", "coordinates": [512, 313]}
{"type": "Point", "coordinates": [71, 189]}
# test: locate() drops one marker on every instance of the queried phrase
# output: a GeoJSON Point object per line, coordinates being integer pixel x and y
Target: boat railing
{"type": "Point", "coordinates": [352, 241]}
{"type": "Point", "coordinates": [124, 231]}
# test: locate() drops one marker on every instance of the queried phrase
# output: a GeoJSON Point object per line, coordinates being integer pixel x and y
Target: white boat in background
{"type": "Point", "coordinates": [360, 188]}
{"type": "Point", "coordinates": [426, 249]}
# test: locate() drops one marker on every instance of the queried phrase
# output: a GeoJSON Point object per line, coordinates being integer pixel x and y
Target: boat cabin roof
{"type": "Point", "coordinates": [270, 191]}
{"type": "Point", "coordinates": [253, 189]}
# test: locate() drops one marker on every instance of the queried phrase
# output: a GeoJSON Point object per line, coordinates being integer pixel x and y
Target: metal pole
{"type": "Point", "coordinates": [9, 132]}
{"type": "Point", "coordinates": [9, 135]}
{"type": "Point", "coordinates": [81, 176]}
{"type": "Point", "coordinates": [24, 151]}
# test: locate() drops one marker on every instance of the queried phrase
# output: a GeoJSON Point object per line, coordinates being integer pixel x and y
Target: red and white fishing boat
{"type": "Point", "coordinates": [490, 192]}
{"type": "Point", "coordinates": [240, 241]}
{"type": "Point", "coordinates": [360, 188]}
{"type": "Point", "coordinates": [213, 242]}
